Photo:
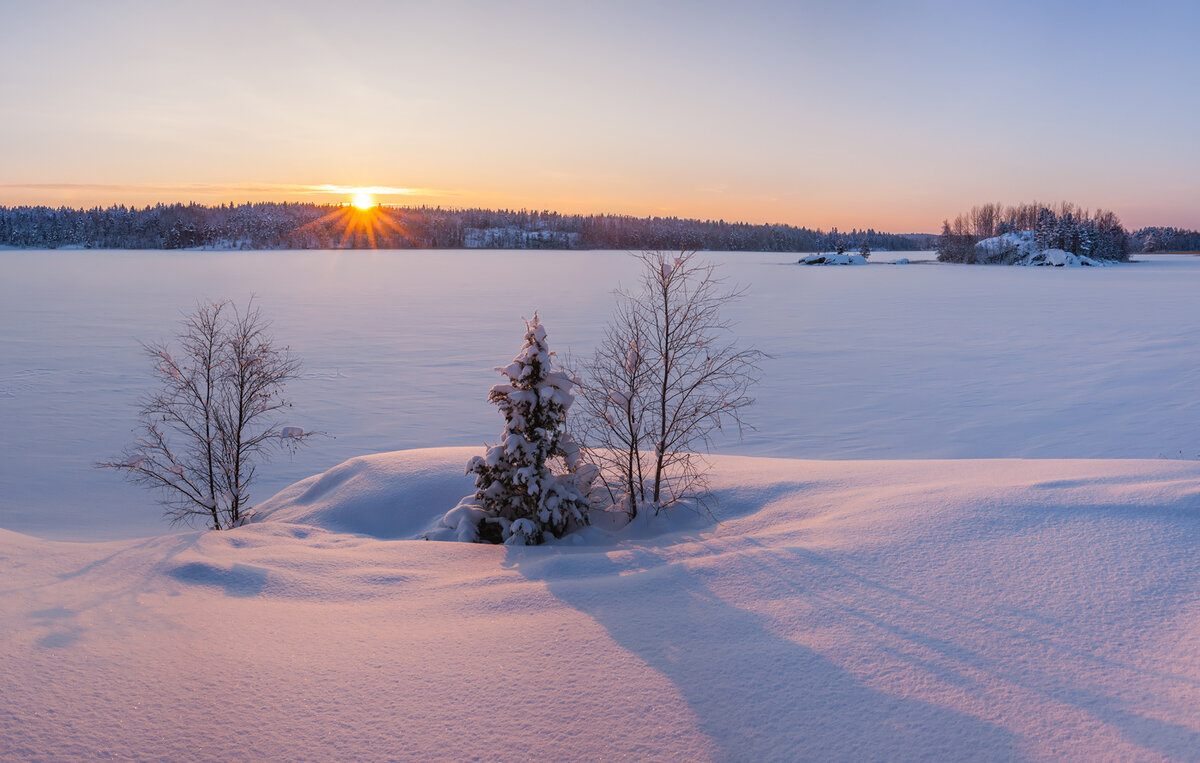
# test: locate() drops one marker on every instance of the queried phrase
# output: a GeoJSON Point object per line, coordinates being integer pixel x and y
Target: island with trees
{"type": "Point", "coordinates": [1034, 234]}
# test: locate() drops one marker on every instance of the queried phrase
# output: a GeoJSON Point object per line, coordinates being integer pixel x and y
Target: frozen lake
{"type": "Point", "coordinates": [882, 362]}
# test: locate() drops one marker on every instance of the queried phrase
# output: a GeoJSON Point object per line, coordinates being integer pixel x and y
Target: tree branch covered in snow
{"type": "Point", "coordinates": [532, 483]}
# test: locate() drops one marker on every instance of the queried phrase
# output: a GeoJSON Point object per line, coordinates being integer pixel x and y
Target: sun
{"type": "Point", "coordinates": [363, 200]}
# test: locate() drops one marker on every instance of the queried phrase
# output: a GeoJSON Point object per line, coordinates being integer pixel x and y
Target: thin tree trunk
{"type": "Point", "coordinates": [660, 451]}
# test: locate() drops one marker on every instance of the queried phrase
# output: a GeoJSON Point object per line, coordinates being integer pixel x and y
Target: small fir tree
{"type": "Point", "coordinates": [865, 250]}
{"type": "Point", "coordinates": [526, 499]}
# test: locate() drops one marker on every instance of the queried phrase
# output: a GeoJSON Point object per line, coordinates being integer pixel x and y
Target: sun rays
{"type": "Point", "coordinates": [363, 221]}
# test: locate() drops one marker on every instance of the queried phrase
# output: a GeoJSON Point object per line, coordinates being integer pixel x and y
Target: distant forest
{"type": "Point", "coordinates": [313, 226]}
{"type": "Point", "coordinates": [1166, 240]}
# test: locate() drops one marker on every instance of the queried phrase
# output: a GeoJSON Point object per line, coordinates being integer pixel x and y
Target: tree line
{"type": "Point", "coordinates": [283, 225]}
{"type": "Point", "coordinates": [1160, 239]}
{"type": "Point", "coordinates": [1065, 226]}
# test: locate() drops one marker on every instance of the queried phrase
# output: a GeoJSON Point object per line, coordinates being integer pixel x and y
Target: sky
{"type": "Point", "coordinates": [891, 115]}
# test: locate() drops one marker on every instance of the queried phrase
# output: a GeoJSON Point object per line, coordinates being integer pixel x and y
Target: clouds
{"type": "Point", "coordinates": [87, 194]}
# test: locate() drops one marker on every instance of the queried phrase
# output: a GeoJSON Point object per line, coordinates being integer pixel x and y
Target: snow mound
{"type": "Point", "coordinates": [385, 495]}
{"type": "Point", "coordinates": [424, 494]}
{"type": "Point", "coordinates": [834, 259]}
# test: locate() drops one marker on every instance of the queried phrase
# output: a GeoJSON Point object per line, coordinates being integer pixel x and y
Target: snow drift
{"type": "Point", "coordinates": [867, 610]}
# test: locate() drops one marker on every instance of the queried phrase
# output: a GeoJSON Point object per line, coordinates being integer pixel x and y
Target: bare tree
{"type": "Point", "coordinates": [614, 391]}
{"type": "Point", "coordinates": [666, 376]}
{"type": "Point", "coordinates": [212, 416]}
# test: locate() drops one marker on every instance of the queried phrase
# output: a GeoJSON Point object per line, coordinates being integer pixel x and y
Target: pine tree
{"type": "Point", "coordinates": [515, 484]}
{"type": "Point", "coordinates": [1044, 230]}
{"type": "Point", "coordinates": [865, 250]}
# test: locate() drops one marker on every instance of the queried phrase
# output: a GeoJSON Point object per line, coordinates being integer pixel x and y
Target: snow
{"type": "Point", "coordinates": [936, 361]}
{"type": "Point", "coordinates": [1029, 589]}
{"type": "Point", "coordinates": [1020, 248]}
{"type": "Point", "coordinates": [1058, 258]}
{"type": "Point", "coordinates": [834, 258]}
{"type": "Point", "coordinates": [849, 610]}
{"type": "Point", "coordinates": [1014, 245]}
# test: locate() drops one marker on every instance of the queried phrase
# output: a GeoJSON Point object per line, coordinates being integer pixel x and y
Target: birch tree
{"type": "Point", "coordinates": [668, 374]}
{"type": "Point", "coordinates": [213, 415]}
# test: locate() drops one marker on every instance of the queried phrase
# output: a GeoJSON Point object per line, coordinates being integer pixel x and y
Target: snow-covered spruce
{"type": "Point", "coordinates": [520, 499]}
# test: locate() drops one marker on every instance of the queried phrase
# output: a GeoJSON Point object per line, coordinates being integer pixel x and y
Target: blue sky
{"type": "Point", "coordinates": [891, 115]}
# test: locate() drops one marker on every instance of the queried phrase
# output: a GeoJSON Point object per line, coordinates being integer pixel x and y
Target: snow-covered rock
{"type": "Point", "coordinates": [1020, 248]}
{"type": "Point", "coordinates": [847, 258]}
{"type": "Point", "coordinates": [1058, 258]}
{"type": "Point", "coordinates": [1006, 248]}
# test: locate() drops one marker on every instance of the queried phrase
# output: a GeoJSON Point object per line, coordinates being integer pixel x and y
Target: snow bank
{"type": "Point", "coordinates": [834, 259]}
{"type": "Point", "coordinates": [424, 495]}
{"type": "Point", "coordinates": [855, 610]}
{"type": "Point", "coordinates": [386, 495]}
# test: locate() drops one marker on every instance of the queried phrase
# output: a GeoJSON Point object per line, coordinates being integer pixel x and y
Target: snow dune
{"type": "Point", "coordinates": [850, 610]}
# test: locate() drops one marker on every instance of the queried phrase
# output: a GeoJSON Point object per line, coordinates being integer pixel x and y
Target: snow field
{"type": "Point", "coordinates": [924, 361]}
{"type": "Point", "coordinates": [867, 610]}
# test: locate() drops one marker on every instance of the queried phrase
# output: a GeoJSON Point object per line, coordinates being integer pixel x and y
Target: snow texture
{"type": "Point", "coordinates": [866, 610]}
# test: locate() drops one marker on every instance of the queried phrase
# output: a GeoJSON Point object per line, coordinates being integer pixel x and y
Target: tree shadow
{"type": "Point", "coordinates": [756, 694]}
{"type": "Point", "coordinates": [938, 620]}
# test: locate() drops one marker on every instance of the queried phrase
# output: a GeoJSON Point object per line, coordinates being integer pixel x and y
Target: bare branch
{"type": "Point", "coordinates": [644, 422]}
{"type": "Point", "coordinates": [213, 415]}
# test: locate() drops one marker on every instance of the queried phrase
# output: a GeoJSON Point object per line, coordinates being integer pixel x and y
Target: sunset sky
{"type": "Point", "coordinates": [891, 115]}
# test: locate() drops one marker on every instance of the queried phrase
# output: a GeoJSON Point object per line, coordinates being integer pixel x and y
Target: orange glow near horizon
{"type": "Point", "coordinates": [365, 222]}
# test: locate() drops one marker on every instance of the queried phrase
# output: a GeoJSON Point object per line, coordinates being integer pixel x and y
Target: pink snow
{"type": "Point", "coordinates": [851, 610]}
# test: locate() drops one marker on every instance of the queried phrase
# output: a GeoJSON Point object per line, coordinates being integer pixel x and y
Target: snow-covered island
{"type": "Point", "coordinates": [1034, 235]}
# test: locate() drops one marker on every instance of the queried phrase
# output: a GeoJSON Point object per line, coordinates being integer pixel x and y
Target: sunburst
{"type": "Point", "coordinates": [363, 221]}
